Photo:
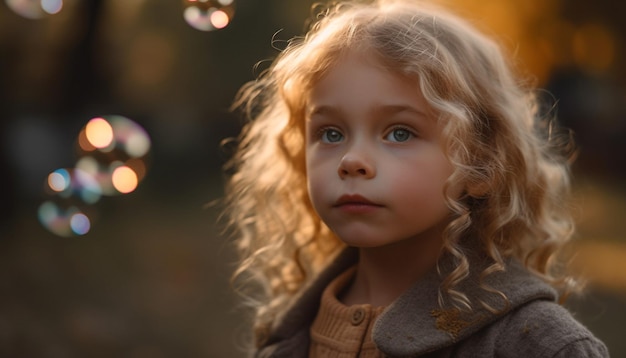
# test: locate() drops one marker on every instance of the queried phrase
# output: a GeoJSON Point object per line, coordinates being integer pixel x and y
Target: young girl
{"type": "Point", "coordinates": [396, 195]}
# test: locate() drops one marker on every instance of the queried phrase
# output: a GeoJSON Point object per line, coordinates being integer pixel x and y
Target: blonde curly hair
{"type": "Point", "coordinates": [503, 152]}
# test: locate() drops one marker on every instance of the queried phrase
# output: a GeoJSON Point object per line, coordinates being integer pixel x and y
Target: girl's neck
{"type": "Point", "coordinates": [384, 273]}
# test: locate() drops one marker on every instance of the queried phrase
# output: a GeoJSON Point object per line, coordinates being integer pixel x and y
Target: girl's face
{"type": "Point", "coordinates": [375, 166]}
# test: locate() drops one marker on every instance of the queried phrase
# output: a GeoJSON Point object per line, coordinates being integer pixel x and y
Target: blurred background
{"type": "Point", "coordinates": [111, 118]}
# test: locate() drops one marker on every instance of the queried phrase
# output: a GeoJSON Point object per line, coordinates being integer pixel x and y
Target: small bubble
{"type": "Point", "coordinates": [35, 9]}
{"type": "Point", "coordinates": [208, 15]}
{"type": "Point", "coordinates": [61, 221]}
{"type": "Point", "coordinates": [72, 192]}
{"type": "Point", "coordinates": [129, 145]}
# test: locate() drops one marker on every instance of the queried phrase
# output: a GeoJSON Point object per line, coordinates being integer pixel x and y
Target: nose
{"type": "Point", "coordinates": [355, 165]}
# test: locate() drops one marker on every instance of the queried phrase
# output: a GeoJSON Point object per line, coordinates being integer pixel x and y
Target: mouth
{"type": "Point", "coordinates": [354, 200]}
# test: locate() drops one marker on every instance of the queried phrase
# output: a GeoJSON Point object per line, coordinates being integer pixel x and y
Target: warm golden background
{"type": "Point", "coordinates": [150, 279]}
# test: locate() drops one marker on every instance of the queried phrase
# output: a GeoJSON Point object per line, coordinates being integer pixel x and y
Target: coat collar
{"type": "Point", "coordinates": [415, 323]}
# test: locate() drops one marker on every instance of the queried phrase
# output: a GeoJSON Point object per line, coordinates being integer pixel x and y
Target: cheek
{"type": "Point", "coordinates": [315, 181]}
{"type": "Point", "coordinates": [422, 183]}
{"type": "Point", "coordinates": [318, 191]}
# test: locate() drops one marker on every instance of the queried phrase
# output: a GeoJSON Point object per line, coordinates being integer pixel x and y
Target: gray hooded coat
{"type": "Point", "coordinates": [532, 324]}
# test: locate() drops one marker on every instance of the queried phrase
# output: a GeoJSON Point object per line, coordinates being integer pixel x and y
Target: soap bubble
{"type": "Point", "coordinates": [71, 192]}
{"type": "Point", "coordinates": [35, 9]}
{"type": "Point", "coordinates": [67, 222]}
{"type": "Point", "coordinates": [208, 15]}
{"type": "Point", "coordinates": [109, 143]}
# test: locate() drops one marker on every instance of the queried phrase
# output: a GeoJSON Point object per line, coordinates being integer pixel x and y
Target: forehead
{"type": "Point", "coordinates": [357, 80]}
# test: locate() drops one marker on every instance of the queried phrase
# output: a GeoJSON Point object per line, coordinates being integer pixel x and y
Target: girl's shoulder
{"type": "Point", "coordinates": [543, 328]}
{"type": "Point", "coordinates": [529, 324]}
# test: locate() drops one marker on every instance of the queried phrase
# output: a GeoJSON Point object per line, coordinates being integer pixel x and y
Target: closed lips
{"type": "Point", "coordinates": [354, 200]}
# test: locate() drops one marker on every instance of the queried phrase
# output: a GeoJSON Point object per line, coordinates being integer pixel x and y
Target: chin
{"type": "Point", "coordinates": [363, 243]}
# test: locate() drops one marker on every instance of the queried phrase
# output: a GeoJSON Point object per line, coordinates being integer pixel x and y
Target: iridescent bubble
{"type": "Point", "coordinates": [108, 143]}
{"type": "Point", "coordinates": [67, 222]}
{"type": "Point", "coordinates": [35, 9]}
{"type": "Point", "coordinates": [209, 15]}
{"type": "Point", "coordinates": [72, 191]}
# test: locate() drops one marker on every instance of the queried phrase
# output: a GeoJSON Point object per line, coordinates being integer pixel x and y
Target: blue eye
{"type": "Point", "coordinates": [330, 135]}
{"type": "Point", "coordinates": [399, 135]}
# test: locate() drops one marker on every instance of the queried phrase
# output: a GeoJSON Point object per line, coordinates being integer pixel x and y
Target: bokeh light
{"type": "Point", "coordinates": [59, 180]}
{"type": "Point", "coordinates": [208, 15]}
{"type": "Point", "coordinates": [124, 179]}
{"type": "Point", "coordinates": [219, 19]}
{"type": "Point", "coordinates": [52, 6]}
{"type": "Point", "coordinates": [80, 224]}
{"type": "Point", "coordinates": [99, 133]}
{"type": "Point", "coordinates": [35, 9]}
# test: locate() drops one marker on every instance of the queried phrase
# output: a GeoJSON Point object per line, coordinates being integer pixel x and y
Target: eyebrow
{"type": "Point", "coordinates": [324, 110]}
{"type": "Point", "coordinates": [386, 109]}
{"type": "Point", "coordinates": [399, 108]}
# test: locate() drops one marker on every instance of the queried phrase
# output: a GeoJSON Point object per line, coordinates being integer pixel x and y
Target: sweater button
{"type": "Point", "coordinates": [358, 316]}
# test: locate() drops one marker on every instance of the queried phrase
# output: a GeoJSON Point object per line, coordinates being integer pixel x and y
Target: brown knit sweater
{"type": "Point", "coordinates": [341, 331]}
